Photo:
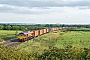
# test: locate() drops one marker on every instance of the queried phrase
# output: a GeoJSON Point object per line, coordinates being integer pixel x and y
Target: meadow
{"type": "Point", "coordinates": [78, 39]}
{"type": "Point", "coordinates": [8, 34]}
{"type": "Point", "coordinates": [56, 45]}
{"type": "Point", "coordinates": [59, 45]}
{"type": "Point", "coordinates": [9, 31]}
{"type": "Point", "coordinates": [59, 39]}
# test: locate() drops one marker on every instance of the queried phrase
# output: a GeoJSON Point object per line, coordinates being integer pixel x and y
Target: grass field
{"type": "Point", "coordinates": [8, 34]}
{"type": "Point", "coordinates": [56, 45]}
{"type": "Point", "coordinates": [78, 39]}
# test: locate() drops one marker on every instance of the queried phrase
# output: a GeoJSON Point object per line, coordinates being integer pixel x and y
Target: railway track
{"type": "Point", "coordinates": [13, 42]}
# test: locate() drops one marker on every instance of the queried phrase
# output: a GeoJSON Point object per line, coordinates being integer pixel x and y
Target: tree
{"type": "Point", "coordinates": [8, 27]}
{"type": "Point", "coordinates": [22, 28]}
{"type": "Point", "coordinates": [63, 25]}
{"type": "Point", "coordinates": [1, 27]}
{"type": "Point", "coordinates": [15, 27]}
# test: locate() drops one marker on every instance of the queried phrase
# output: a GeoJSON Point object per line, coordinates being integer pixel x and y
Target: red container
{"type": "Point", "coordinates": [36, 33]}
{"type": "Point", "coordinates": [41, 32]}
{"type": "Point", "coordinates": [55, 28]}
{"type": "Point", "coordinates": [51, 29]}
{"type": "Point", "coordinates": [47, 30]}
{"type": "Point", "coordinates": [44, 31]}
{"type": "Point", "coordinates": [63, 27]}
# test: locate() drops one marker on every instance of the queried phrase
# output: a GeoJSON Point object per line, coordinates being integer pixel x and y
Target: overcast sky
{"type": "Point", "coordinates": [45, 11]}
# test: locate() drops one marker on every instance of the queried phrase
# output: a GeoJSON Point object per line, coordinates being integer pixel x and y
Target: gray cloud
{"type": "Point", "coordinates": [21, 10]}
{"type": "Point", "coordinates": [49, 3]}
{"type": "Point", "coordinates": [38, 6]}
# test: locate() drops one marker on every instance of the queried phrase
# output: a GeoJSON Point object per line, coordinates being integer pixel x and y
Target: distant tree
{"type": "Point", "coordinates": [51, 25]}
{"type": "Point", "coordinates": [1, 27]}
{"type": "Point", "coordinates": [16, 32]}
{"type": "Point", "coordinates": [22, 28]}
{"type": "Point", "coordinates": [47, 25]}
{"type": "Point", "coordinates": [63, 25]}
{"type": "Point", "coordinates": [8, 27]}
{"type": "Point", "coordinates": [15, 27]}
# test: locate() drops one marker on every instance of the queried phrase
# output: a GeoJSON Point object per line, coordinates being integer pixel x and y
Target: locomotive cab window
{"type": "Point", "coordinates": [21, 34]}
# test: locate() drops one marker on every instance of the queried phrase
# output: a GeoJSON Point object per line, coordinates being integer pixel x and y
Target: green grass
{"type": "Point", "coordinates": [8, 34]}
{"type": "Point", "coordinates": [78, 39]}
{"type": "Point", "coordinates": [81, 29]}
{"type": "Point", "coordinates": [2, 32]}
{"type": "Point", "coordinates": [59, 45]}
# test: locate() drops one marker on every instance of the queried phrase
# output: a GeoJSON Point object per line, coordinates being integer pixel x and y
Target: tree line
{"type": "Point", "coordinates": [36, 26]}
{"type": "Point", "coordinates": [25, 27]}
{"type": "Point", "coordinates": [19, 27]}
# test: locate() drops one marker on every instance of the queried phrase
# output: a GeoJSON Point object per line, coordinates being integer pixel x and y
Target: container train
{"type": "Point", "coordinates": [35, 33]}
{"type": "Point", "coordinates": [23, 36]}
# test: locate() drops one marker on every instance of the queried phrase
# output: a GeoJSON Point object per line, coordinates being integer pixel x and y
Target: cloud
{"type": "Point", "coordinates": [21, 10]}
{"type": "Point", "coordinates": [39, 6]}
{"type": "Point", "coordinates": [46, 3]}
{"type": "Point", "coordinates": [45, 11]}
{"type": "Point", "coordinates": [58, 15]}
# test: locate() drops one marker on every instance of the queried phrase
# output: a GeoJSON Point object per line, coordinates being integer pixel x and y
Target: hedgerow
{"type": "Point", "coordinates": [54, 53]}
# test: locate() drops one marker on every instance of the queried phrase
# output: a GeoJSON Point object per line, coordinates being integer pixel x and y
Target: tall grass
{"type": "Point", "coordinates": [77, 39]}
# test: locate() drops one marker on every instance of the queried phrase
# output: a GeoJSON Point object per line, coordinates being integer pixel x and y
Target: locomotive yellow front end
{"type": "Point", "coordinates": [25, 36]}
{"type": "Point", "coordinates": [22, 36]}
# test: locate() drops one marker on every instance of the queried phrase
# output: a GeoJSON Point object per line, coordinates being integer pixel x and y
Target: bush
{"type": "Point", "coordinates": [68, 53]}
{"type": "Point", "coordinates": [54, 53]}
{"type": "Point", "coordinates": [1, 40]}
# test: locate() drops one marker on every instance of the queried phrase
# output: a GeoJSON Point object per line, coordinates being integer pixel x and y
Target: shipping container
{"type": "Point", "coordinates": [41, 31]}
{"type": "Point", "coordinates": [47, 30]}
{"type": "Point", "coordinates": [63, 27]}
{"type": "Point", "coordinates": [60, 28]}
{"type": "Point", "coordinates": [36, 33]}
{"type": "Point", "coordinates": [44, 31]}
{"type": "Point", "coordinates": [53, 29]}
{"type": "Point", "coordinates": [50, 29]}
{"type": "Point", "coordinates": [56, 28]}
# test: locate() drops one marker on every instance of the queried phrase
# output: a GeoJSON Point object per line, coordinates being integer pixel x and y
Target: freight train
{"type": "Point", "coordinates": [35, 33]}
{"type": "Point", "coordinates": [23, 36]}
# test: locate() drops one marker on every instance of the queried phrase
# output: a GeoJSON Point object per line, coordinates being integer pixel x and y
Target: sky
{"type": "Point", "coordinates": [45, 11]}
